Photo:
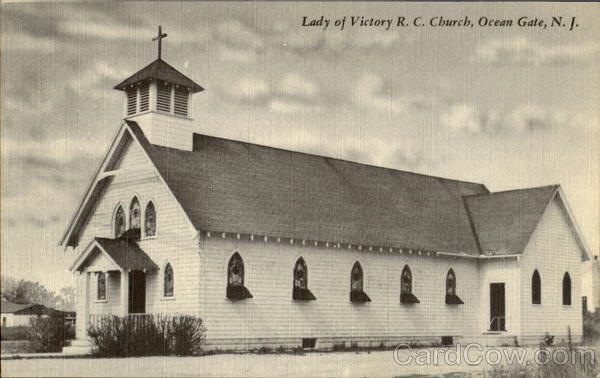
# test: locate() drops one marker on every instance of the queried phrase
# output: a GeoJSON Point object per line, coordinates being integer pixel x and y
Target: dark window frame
{"type": "Point", "coordinates": [119, 227]}
{"type": "Point", "coordinates": [566, 289]}
{"type": "Point", "coordinates": [135, 201]}
{"type": "Point", "coordinates": [406, 287]}
{"type": "Point", "coordinates": [536, 288]}
{"type": "Point", "coordinates": [300, 282]}
{"type": "Point", "coordinates": [168, 281]}
{"type": "Point", "coordinates": [357, 281]}
{"type": "Point", "coordinates": [235, 286]}
{"type": "Point", "coordinates": [101, 286]}
{"type": "Point", "coordinates": [150, 224]}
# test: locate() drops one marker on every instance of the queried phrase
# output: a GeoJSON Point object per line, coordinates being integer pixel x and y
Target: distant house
{"type": "Point", "coordinates": [18, 315]}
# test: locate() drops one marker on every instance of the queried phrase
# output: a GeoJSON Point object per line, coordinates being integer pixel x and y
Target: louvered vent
{"type": "Point", "coordinates": [144, 98]}
{"type": "Point", "coordinates": [181, 101]}
{"type": "Point", "coordinates": [163, 98]}
{"type": "Point", "coordinates": [131, 101]}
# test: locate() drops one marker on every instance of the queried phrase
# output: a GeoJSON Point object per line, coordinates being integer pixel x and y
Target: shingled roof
{"type": "Point", "coordinates": [505, 221]}
{"type": "Point", "coordinates": [232, 186]}
{"type": "Point", "coordinates": [159, 70]}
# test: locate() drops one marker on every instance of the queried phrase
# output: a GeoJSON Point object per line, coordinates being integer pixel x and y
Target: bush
{"type": "Point", "coordinates": [146, 335]}
{"type": "Point", "coordinates": [14, 333]}
{"type": "Point", "coordinates": [591, 327]}
{"type": "Point", "coordinates": [47, 334]}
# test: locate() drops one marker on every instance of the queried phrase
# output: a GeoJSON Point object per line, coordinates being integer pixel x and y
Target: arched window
{"type": "Point", "coordinates": [300, 274]}
{"type": "Point", "coordinates": [235, 271]}
{"type": "Point", "coordinates": [450, 283]}
{"type": "Point", "coordinates": [406, 281]}
{"type": "Point", "coordinates": [451, 297]}
{"type": "Point", "coordinates": [235, 278]}
{"type": "Point", "coordinates": [135, 214]}
{"type": "Point", "coordinates": [301, 291]}
{"type": "Point", "coordinates": [356, 277]}
{"type": "Point", "coordinates": [168, 281]}
{"type": "Point", "coordinates": [566, 289]}
{"type": "Point", "coordinates": [406, 294]}
{"type": "Point", "coordinates": [357, 293]}
{"type": "Point", "coordinates": [101, 287]}
{"type": "Point", "coordinates": [536, 288]}
{"type": "Point", "coordinates": [150, 220]}
{"type": "Point", "coordinates": [119, 221]}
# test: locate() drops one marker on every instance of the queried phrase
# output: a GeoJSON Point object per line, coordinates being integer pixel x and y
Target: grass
{"type": "Point", "coordinates": [14, 347]}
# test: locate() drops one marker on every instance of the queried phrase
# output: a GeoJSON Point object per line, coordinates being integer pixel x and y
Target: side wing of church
{"type": "Point", "coordinates": [280, 248]}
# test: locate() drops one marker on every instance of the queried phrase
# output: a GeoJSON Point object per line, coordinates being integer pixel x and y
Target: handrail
{"type": "Point", "coordinates": [500, 326]}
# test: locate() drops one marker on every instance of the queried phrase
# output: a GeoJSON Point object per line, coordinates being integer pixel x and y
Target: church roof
{"type": "Point", "coordinates": [126, 254]}
{"type": "Point", "coordinates": [231, 186]}
{"type": "Point", "coordinates": [159, 70]}
{"type": "Point", "coordinates": [505, 221]}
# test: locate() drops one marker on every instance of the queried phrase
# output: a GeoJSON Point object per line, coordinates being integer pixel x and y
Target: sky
{"type": "Point", "coordinates": [509, 107]}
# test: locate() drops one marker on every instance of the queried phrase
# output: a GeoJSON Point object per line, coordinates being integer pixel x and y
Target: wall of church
{"type": "Point", "coordinates": [174, 243]}
{"type": "Point", "coordinates": [553, 251]}
{"type": "Point", "coordinates": [272, 314]}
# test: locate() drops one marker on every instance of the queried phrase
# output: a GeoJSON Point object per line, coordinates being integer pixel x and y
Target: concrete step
{"type": "Point", "coordinates": [78, 347]}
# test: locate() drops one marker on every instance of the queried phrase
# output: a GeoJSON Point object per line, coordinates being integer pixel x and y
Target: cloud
{"type": "Point", "coordinates": [97, 80]}
{"type": "Point", "coordinates": [26, 42]}
{"type": "Point", "coordinates": [291, 94]}
{"type": "Point", "coordinates": [237, 55]}
{"type": "Point", "coordinates": [249, 90]}
{"type": "Point", "coordinates": [526, 117]}
{"type": "Point", "coordinates": [293, 84]}
{"type": "Point", "coordinates": [374, 93]}
{"type": "Point", "coordinates": [523, 50]}
{"type": "Point", "coordinates": [236, 34]}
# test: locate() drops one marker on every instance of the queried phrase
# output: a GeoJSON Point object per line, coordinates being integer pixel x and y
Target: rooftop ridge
{"type": "Point", "coordinates": [334, 158]}
{"type": "Point", "coordinates": [513, 190]}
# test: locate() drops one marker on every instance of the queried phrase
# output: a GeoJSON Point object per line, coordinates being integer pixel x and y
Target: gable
{"type": "Point", "coordinates": [124, 169]}
{"type": "Point", "coordinates": [504, 221]}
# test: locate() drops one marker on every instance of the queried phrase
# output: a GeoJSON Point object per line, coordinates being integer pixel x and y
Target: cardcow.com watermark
{"type": "Point", "coordinates": [475, 354]}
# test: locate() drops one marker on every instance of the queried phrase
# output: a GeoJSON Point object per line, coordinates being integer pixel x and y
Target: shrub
{"type": "Point", "coordinates": [591, 327]}
{"type": "Point", "coordinates": [47, 334]}
{"type": "Point", "coordinates": [14, 333]}
{"type": "Point", "coordinates": [146, 335]}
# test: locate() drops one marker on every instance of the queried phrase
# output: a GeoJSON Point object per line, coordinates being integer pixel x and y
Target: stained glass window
{"type": "Point", "coordinates": [406, 281]}
{"type": "Point", "coordinates": [536, 288]}
{"type": "Point", "coordinates": [168, 278]}
{"type": "Point", "coordinates": [135, 214]}
{"type": "Point", "coordinates": [356, 277]}
{"type": "Point", "coordinates": [300, 274]}
{"type": "Point", "coordinates": [119, 221]}
{"type": "Point", "coordinates": [150, 220]}
{"type": "Point", "coordinates": [235, 270]}
{"type": "Point", "coordinates": [451, 283]}
{"type": "Point", "coordinates": [101, 287]}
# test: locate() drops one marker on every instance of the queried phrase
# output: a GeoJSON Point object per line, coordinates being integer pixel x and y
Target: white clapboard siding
{"type": "Point", "coordinates": [273, 314]}
{"type": "Point", "coordinates": [173, 243]}
{"type": "Point", "coordinates": [553, 251]}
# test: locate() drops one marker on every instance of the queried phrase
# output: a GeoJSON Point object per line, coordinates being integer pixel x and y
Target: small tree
{"type": "Point", "coordinates": [47, 334]}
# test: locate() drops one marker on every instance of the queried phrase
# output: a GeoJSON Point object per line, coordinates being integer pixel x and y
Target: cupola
{"type": "Point", "coordinates": [159, 98]}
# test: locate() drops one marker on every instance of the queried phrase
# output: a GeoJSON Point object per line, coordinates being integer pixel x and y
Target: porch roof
{"type": "Point", "coordinates": [123, 252]}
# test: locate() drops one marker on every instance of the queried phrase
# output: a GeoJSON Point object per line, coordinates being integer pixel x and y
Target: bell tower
{"type": "Point", "coordinates": [159, 99]}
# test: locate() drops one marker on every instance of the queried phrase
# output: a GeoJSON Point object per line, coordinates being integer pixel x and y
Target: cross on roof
{"type": "Point", "coordinates": [159, 38]}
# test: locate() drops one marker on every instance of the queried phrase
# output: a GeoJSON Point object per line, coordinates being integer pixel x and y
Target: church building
{"type": "Point", "coordinates": [274, 248]}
